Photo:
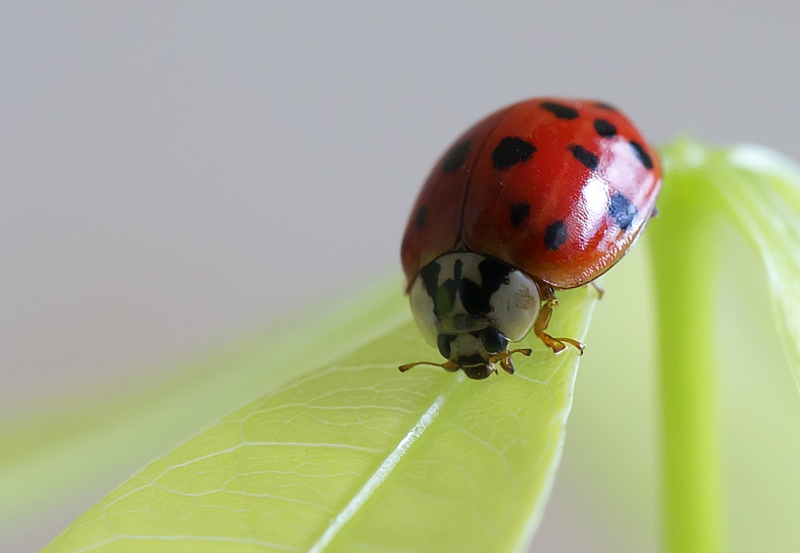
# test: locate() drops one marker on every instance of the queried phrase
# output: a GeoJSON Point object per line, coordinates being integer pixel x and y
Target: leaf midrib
{"type": "Point", "coordinates": [386, 467]}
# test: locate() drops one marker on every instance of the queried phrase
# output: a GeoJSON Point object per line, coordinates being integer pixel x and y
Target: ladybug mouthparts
{"type": "Point", "coordinates": [475, 366]}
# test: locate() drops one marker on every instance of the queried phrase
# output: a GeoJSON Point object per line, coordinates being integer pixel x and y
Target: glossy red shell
{"type": "Point", "coordinates": [564, 214]}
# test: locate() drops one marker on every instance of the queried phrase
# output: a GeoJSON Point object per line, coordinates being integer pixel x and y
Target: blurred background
{"type": "Point", "coordinates": [174, 176]}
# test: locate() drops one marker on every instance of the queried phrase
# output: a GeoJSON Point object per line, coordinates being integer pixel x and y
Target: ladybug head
{"type": "Point", "coordinates": [477, 362]}
{"type": "Point", "coordinates": [470, 306]}
{"type": "Point", "coordinates": [472, 351]}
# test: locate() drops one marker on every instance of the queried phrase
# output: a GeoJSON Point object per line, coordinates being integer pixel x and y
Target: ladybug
{"type": "Point", "coordinates": [543, 195]}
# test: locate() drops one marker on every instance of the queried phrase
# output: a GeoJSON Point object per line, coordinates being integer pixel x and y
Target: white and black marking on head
{"type": "Point", "coordinates": [471, 306]}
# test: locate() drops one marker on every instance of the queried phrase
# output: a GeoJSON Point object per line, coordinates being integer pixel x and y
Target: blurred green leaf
{"type": "Point", "coordinates": [58, 447]}
{"type": "Point", "coordinates": [765, 201]}
{"type": "Point", "coordinates": [760, 191]}
{"type": "Point", "coordinates": [608, 479]}
{"type": "Point", "coordinates": [355, 456]}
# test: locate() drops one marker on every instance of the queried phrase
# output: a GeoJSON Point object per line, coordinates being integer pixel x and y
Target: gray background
{"type": "Point", "coordinates": [173, 175]}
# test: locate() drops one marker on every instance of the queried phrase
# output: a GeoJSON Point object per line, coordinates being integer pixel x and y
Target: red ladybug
{"type": "Point", "coordinates": [542, 195]}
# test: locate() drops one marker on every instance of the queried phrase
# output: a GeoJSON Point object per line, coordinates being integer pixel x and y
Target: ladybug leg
{"type": "Point", "coordinates": [449, 366]}
{"type": "Point", "coordinates": [556, 344]}
{"type": "Point", "coordinates": [505, 361]}
{"type": "Point", "coordinates": [600, 291]}
{"type": "Point", "coordinates": [507, 365]}
{"type": "Point", "coordinates": [541, 324]}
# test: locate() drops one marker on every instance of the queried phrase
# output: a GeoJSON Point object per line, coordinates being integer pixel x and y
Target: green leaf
{"type": "Point", "coordinates": [355, 456]}
{"type": "Point", "coordinates": [759, 189]}
{"type": "Point", "coordinates": [766, 202]}
{"type": "Point", "coordinates": [58, 447]}
{"type": "Point", "coordinates": [608, 479]}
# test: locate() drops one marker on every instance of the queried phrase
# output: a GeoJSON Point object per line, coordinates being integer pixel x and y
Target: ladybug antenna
{"type": "Point", "coordinates": [506, 354]}
{"type": "Point", "coordinates": [449, 366]}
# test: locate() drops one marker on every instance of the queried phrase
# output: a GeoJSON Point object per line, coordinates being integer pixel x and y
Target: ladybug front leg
{"type": "Point", "coordinates": [507, 365]}
{"type": "Point", "coordinates": [543, 319]}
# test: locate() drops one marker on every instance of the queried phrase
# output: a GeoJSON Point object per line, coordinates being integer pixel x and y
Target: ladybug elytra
{"type": "Point", "coordinates": [543, 195]}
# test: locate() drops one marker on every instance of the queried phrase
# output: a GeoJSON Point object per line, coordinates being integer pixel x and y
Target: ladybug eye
{"type": "Point", "coordinates": [493, 340]}
{"type": "Point", "coordinates": [444, 341]}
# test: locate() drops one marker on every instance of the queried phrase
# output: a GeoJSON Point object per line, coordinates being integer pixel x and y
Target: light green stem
{"type": "Point", "coordinates": [683, 245]}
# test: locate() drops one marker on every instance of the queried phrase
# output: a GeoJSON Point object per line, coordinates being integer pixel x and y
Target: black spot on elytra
{"type": "Point", "coordinates": [643, 156]}
{"type": "Point", "coordinates": [555, 235]}
{"type": "Point", "coordinates": [518, 212]}
{"type": "Point", "coordinates": [584, 156]}
{"type": "Point", "coordinates": [560, 110]}
{"type": "Point", "coordinates": [604, 128]}
{"type": "Point", "coordinates": [476, 297]}
{"type": "Point", "coordinates": [510, 151]}
{"type": "Point", "coordinates": [422, 216]}
{"type": "Point", "coordinates": [455, 158]}
{"type": "Point", "coordinates": [622, 210]}
{"type": "Point", "coordinates": [603, 105]}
